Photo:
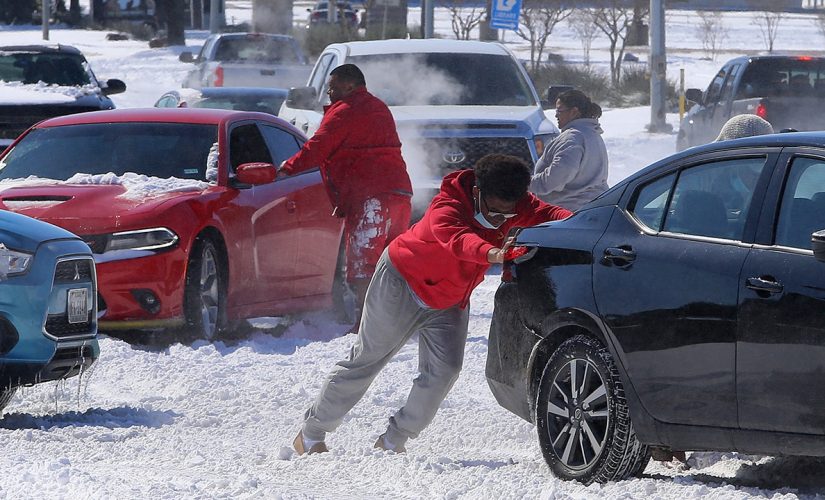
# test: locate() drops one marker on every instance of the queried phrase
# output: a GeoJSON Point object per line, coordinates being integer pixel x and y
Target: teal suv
{"type": "Point", "coordinates": [48, 295]}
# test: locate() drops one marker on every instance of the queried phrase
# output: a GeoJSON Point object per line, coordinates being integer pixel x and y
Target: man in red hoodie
{"type": "Point", "coordinates": [422, 284]}
{"type": "Point", "coordinates": [358, 152]}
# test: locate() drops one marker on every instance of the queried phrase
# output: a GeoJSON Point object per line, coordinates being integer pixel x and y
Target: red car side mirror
{"type": "Point", "coordinates": [256, 173]}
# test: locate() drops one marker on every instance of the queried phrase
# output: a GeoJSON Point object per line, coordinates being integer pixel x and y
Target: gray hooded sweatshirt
{"type": "Point", "coordinates": [573, 169]}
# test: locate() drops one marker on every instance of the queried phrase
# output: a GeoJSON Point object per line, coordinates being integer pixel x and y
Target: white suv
{"type": "Point", "coordinates": [453, 101]}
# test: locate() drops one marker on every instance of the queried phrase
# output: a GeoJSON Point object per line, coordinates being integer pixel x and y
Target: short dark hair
{"type": "Point", "coordinates": [349, 73]}
{"type": "Point", "coordinates": [503, 176]}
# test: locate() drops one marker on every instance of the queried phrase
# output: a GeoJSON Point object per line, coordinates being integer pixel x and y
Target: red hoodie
{"type": "Point", "coordinates": [357, 149]}
{"type": "Point", "coordinates": [443, 257]}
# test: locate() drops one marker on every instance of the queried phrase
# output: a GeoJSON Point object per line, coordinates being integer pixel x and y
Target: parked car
{"type": "Point", "coordinates": [261, 99]}
{"type": "Point", "coordinates": [319, 15]}
{"type": "Point", "coordinates": [42, 81]}
{"type": "Point", "coordinates": [787, 91]}
{"type": "Point", "coordinates": [247, 60]}
{"type": "Point", "coordinates": [183, 213]}
{"type": "Point", "coordinates": [48, 320]}
{"type": "Point", "coordinates": [462, 112]}
{"type": "Point", "coordinates": [682, 310]}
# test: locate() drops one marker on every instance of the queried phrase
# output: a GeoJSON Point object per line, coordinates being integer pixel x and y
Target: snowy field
{"type": "Point", "coordinates": [217, 420]}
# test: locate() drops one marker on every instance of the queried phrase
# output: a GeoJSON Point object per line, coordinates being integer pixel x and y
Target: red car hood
{"type": "Point", "coordinates": [86, 209]}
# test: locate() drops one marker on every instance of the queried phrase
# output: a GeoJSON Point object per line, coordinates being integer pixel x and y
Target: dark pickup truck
{"type": "Point", "coordinates": [788, 91]}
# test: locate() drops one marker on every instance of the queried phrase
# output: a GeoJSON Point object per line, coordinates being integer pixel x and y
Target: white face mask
{"type": "Point", "coordinates": [483, 220]}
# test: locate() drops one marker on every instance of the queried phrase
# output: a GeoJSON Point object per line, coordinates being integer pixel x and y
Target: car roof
{"type": "Point", "coordinates": [168, 115]}
{"type": "Point", "coordinates": [408, 46]}
{"type": "Point", "coordinates": [242, 91]}
{"type": "Point", "coordinates": [780, 140]}
{"type": "Point", "coordinates": [67, 49]}
{"type": "Point", "coordinates": [253, 35]}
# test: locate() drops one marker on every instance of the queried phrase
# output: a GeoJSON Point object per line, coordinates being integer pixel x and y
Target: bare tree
{"type": "Point", "coordinates": [712, 31]}
{"type": "Point", "coordinates": [767, 20]}
{"type": "Point", "coordinates": [581, 22]}
{"type": "Point", "coordinates": [463, 22]}
{"type": "Point", "coordinates": [538, 19]}
{"type": "Point", "coordinates": [613, 18]}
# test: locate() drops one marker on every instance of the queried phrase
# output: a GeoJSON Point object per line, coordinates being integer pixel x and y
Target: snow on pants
{"type": "Point", "coordinates": [391, 316]}
{"type": "Point", "coordinates": [370, 227]}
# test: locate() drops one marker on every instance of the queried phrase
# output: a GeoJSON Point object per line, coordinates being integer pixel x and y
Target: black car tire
{"type": "Point", "coordinates": [205, 292]}
{"type": "Point", "coordinates": [5, 397]}
{"type": "Point", "coordinates": [582, 417]}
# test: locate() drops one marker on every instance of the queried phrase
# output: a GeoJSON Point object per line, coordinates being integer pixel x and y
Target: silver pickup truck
{"type": "Point", "coordinates": [247, 60]}
{"type": "Point", "coordinates": [453, 102]}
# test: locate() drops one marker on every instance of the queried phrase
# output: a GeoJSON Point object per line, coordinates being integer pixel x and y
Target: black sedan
{"type": "Point", "coordinates": [263, 99]}
{"type": "Point", "coordinates": [683, 309]}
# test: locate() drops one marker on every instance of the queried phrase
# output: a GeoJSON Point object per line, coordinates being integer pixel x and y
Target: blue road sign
{"type": "Point", "coordinates": [505, 14]}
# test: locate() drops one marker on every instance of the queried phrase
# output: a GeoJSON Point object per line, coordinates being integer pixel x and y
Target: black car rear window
{"type": "Point", "coordinates": [154, 149]}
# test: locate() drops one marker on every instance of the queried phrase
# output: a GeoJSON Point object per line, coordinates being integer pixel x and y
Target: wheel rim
{"type": "Point", "coordinates": [209, 294]}
{"type": "Point", "coordinates": [577, 414]}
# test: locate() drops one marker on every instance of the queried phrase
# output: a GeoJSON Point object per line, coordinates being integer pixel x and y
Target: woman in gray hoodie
{"type": "Point", "coordinates": [573, 168]}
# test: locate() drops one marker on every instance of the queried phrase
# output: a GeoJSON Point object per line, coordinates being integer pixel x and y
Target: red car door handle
{"type": "Point", "coordinates": [291, 206]}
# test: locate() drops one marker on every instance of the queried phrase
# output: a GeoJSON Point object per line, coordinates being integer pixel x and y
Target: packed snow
{"type": "Point", "coordinates": [216, 420]}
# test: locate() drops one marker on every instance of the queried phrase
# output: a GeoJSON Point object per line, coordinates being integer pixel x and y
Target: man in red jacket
{"type": "Point", "coordinates": [358, 152]}
{"type": "Point", "coordinates": [422, 284]}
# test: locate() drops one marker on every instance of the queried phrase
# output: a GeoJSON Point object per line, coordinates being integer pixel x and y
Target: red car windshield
{"type": "Point", "coordinates": [154, 149]}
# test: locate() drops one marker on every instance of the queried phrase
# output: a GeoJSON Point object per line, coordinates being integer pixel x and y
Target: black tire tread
{"type": "Point", "coordinates": [626, 456]}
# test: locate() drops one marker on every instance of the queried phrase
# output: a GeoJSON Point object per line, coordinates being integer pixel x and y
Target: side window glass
{"type": "Point", "coordinates": [802, 211]}
{"type": "Point", "coordinates": [727, 89]}
{"type": "Point", "coordinates": [247, 145]}
{"type": "Point", "coordinates": [651, 202]}
{"type": "Point", "coordinates": [712, 199]}
{"type": "Point", "coordinates": [715, 87]}
{"type": "Point", "coordinates": [281, 143]}
{"type": "Point", "coordinates": [321, 73]}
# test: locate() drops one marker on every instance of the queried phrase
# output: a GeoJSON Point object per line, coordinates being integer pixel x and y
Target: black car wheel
{"type": "Point", "coordinates": [205, 297]}
{"type": "Point", "coordinates": [583, 422]}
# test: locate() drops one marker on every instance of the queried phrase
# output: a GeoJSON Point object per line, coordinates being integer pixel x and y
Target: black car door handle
{"type": "Point", "coordinates": [619, 256]}
{"type": "Point", "coordinates": [764, 285]}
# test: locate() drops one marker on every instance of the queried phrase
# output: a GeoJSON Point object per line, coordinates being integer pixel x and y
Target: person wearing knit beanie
{"type": "Point", "coordinates": [744, 126]}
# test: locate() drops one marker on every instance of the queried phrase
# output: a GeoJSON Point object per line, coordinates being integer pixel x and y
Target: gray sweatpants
{"type": "Point", "coordinates": [391, 316]}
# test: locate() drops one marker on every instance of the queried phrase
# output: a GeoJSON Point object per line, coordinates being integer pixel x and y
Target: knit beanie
{"type": "Point", "coordinates": [744, 126]}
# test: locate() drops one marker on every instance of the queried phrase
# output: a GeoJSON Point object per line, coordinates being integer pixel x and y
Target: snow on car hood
{"type": "Point", "coordinates": [88, 203]}
{"type": "Point", "coordinates": [41, 93]}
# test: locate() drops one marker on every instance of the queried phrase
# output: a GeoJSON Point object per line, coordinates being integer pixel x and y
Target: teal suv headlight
{"type": "Point", "coordinates": [13, 262]}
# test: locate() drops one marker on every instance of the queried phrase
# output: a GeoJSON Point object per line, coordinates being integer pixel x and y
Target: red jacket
{"type": "Point", "coordinates": [443, 257]}
{"type": "Point", "coordinates": [357, 150]}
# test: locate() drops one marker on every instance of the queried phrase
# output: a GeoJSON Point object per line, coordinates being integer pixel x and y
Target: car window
{"type": "Point", "coordinates": [715, 87]}
{"type": "Point", "coordinates": [177, 150]}
{"type": "Point", "coordinates": [727, 88]}
{"type": "Point", "coordinates": [773, 77]}
{"type": "Point", "coordinates": [257, 48]}
{"type": "Point", "coordinates": [802, 211]}
{"type": "Point", "coordinates": [247, 145]}
{"type": "Point", "coordinates": [319, 78]}
{"type": "Point", "coordinates": [281, 143]}
{"type": "Point", "coordinates": [712, 199]}
{"type": "Point", "coordinates": [651, 202]}
{"type": "Point", "coordinates": [167, 102]}
{"type": "Point", "coordinates": [452, 79]}
{"type": "Point", "coordinates": [50, 68]}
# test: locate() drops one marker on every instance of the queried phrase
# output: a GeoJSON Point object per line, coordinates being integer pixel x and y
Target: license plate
{"type": "Point", "coordinates": [78, 305]}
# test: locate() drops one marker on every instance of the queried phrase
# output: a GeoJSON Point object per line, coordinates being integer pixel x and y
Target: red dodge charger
{"type": "Point", "coordinates": [183, 212]}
